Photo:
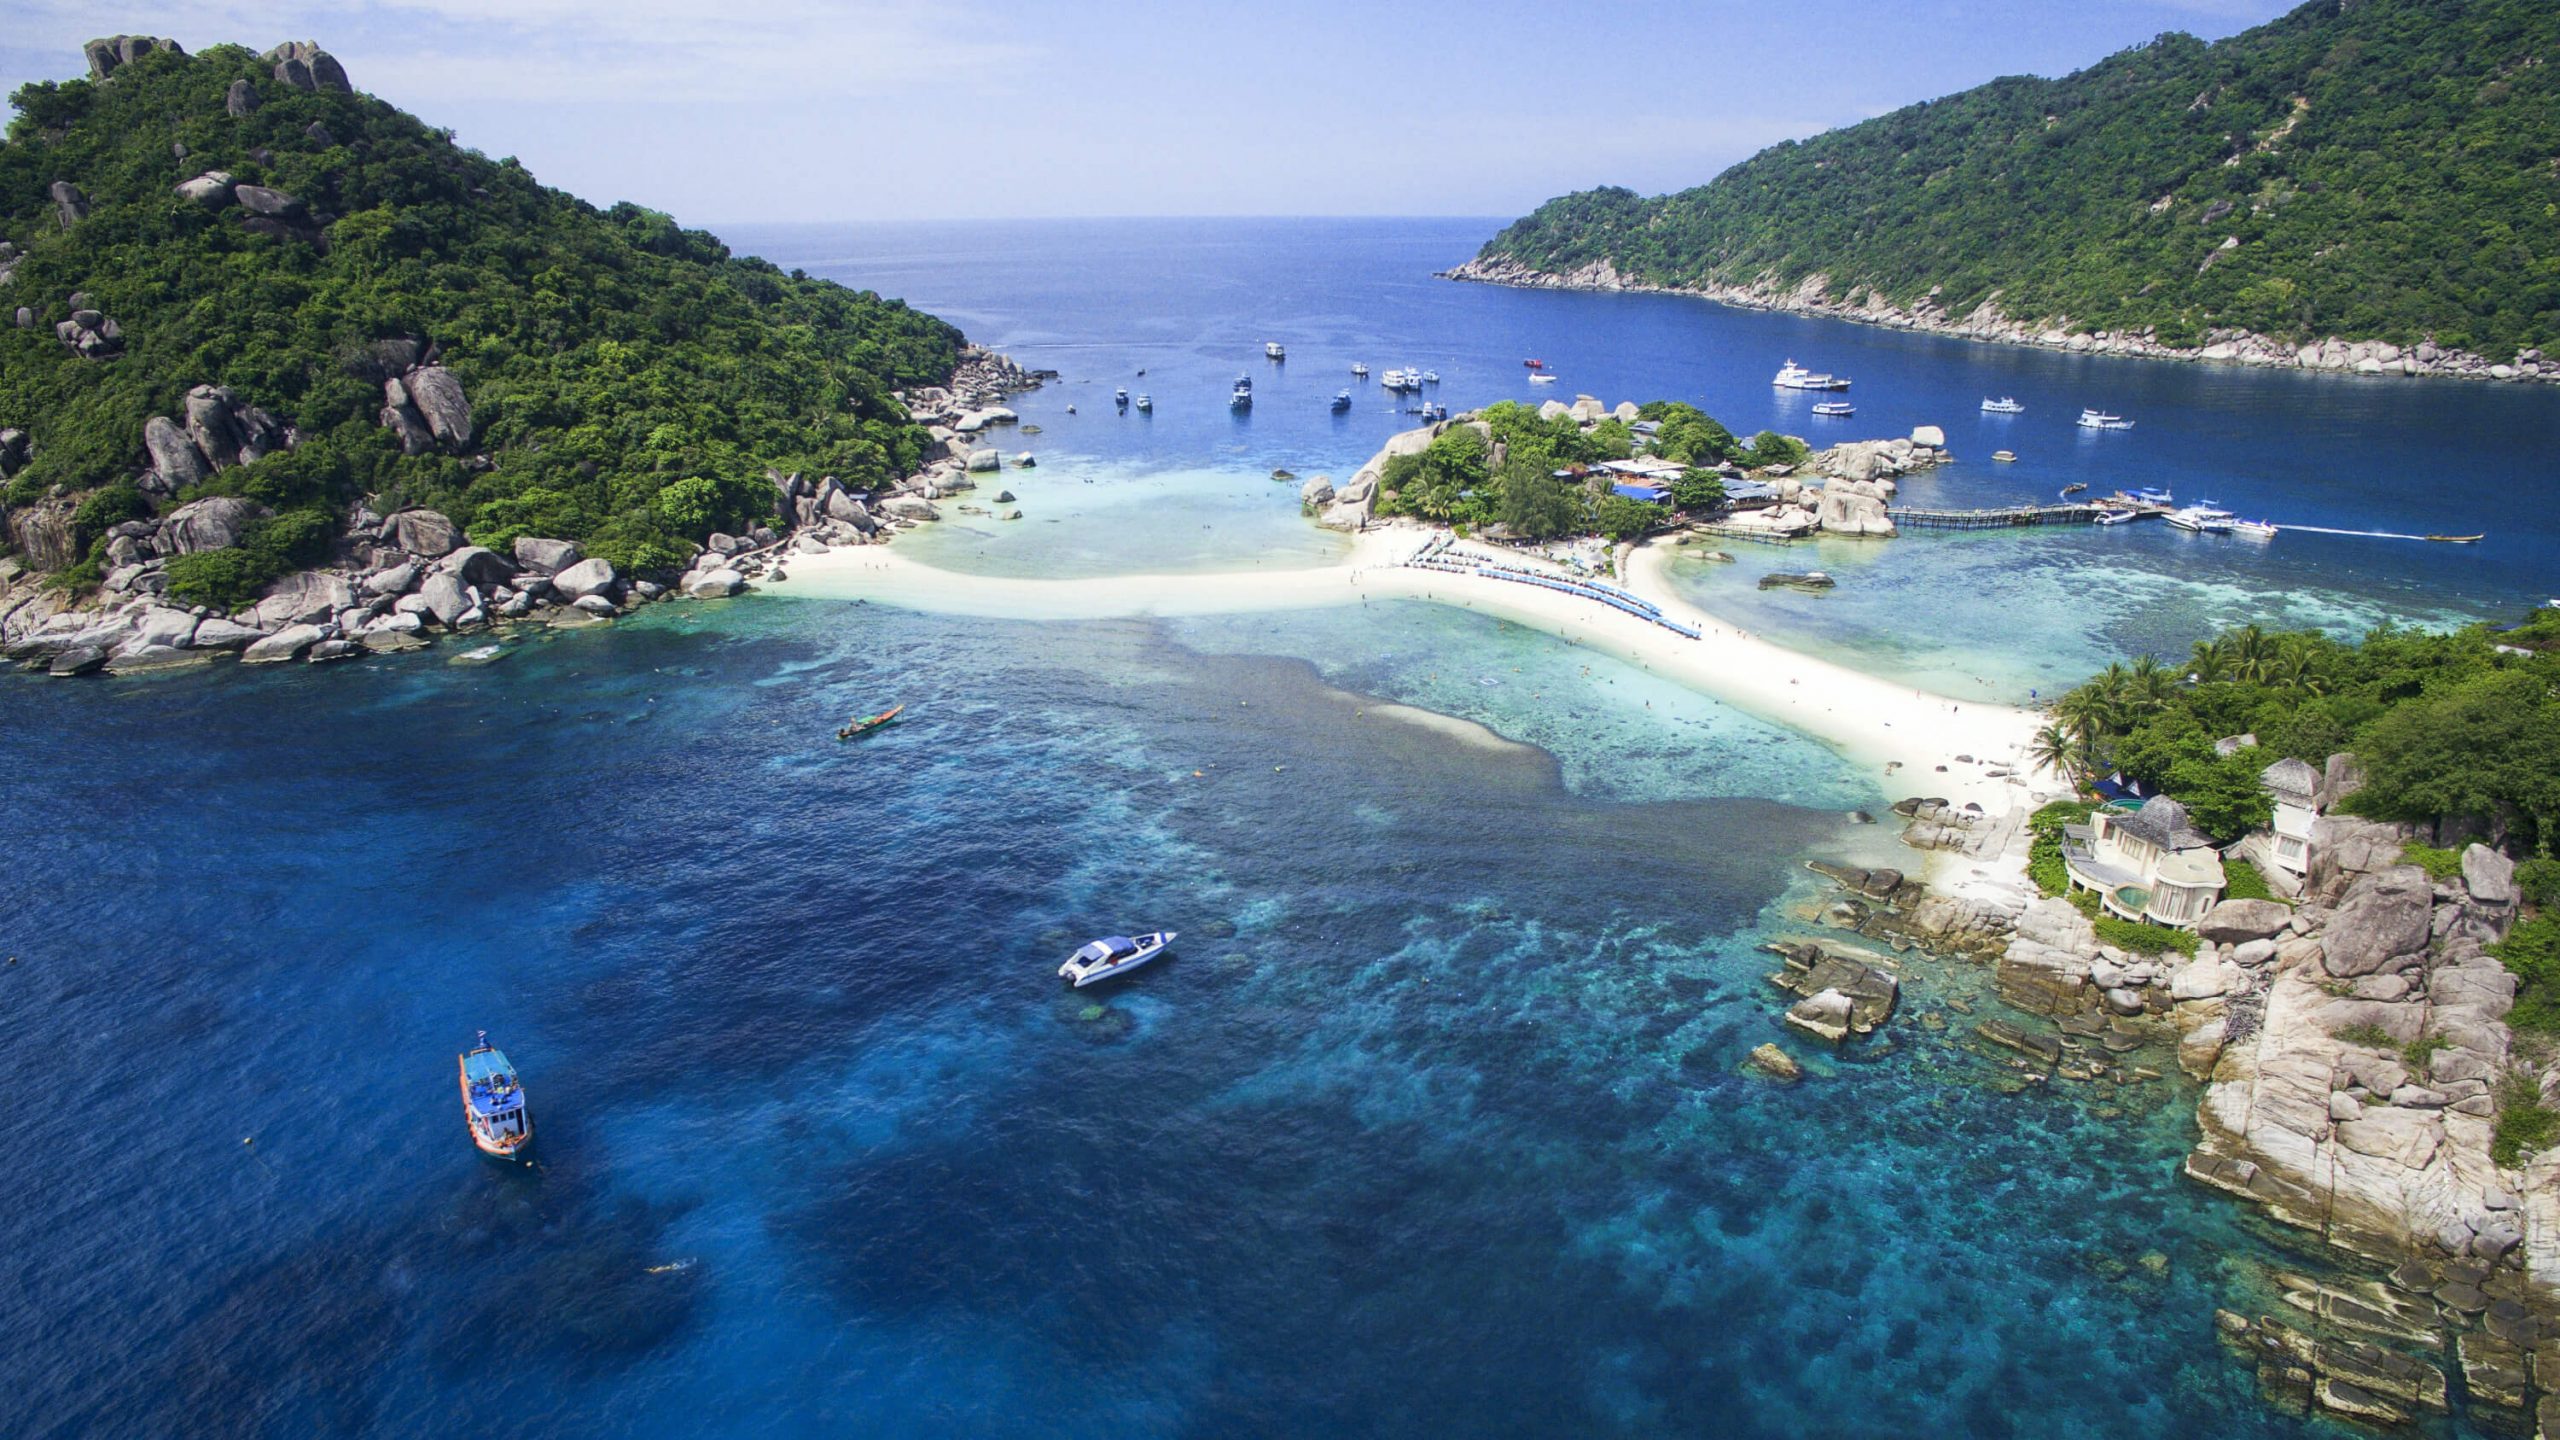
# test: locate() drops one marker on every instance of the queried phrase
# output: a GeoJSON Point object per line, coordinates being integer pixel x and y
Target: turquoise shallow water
{"type": "Point", "coordinates": [1433, 1124]}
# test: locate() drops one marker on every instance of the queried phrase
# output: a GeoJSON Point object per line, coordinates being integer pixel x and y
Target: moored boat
{"type": "Point", "coordinates": [1837, 409]}
{"type": "Point", "coordinates": [1241, 397]}
{"type": "Point", "coordinates": [1360, 368]}
{"type": "Point", "coordinates": [493, 1101]}
{"type": "Point", "coordinates": [857, 728]}
{"type": "Point", "coordinates": [2101, 420]}
{"type": "Point", "coordinates": [1341, 401]}
{"type": "Point", "coordinates": [2007, 455]}
{"type": "Point", "coordinates": [1146, 402]}
{"type": "Point", "coordinates": [1275, 350]}
{"type": "Point", "coordinates": [1793, 376]}
{"type": "Point", "coordinates": [1542, 378]}
{"type": "Point", "coordinates": [2202, 518]}
{"type": "Point", "coordinates": [2254, 529]}
{"type": "Point", "coordinates": [2003, 406]}
{"type": "Point", "coordinates": [1113, 955]}
{"type": "Point", "coordinates": [1535, 364]}
{"type": "Point", "coordinates": [2074, 488]}
{"type": "Point", "coordinates": [1430, 377]}
{"type": "Point", "coordinates": [2116, 517]}
{"type": "Point", "coordinates": [1120, 397]}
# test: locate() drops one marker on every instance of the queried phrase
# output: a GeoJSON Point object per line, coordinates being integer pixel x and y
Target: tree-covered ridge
{"type": "Point", "coordinates": [2381, 169]}
{"type": "Point", "coordinates": [629, 380]}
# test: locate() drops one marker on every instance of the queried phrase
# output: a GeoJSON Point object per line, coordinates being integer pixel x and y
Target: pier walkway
{"type": "Point", "coordinates": [1918, 517]}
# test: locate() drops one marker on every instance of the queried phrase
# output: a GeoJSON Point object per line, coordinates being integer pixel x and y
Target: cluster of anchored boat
{"type": "Point", "coordinates": [1793, 376]}
{"type": "Point", "coordinates": [1240, 395]}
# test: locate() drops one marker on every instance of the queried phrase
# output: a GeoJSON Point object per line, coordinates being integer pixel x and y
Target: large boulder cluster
{"type": "Point", "coordinates": [89, 332]}
{"type": "Point", "coordinates": [302, 65]}
{"type": "Point", "coordinates": [105, 55]}
{"type": "Point", "coordinates": [218, 431]}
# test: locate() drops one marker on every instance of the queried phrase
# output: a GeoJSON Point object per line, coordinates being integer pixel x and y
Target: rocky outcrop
{"type": "Point", "coordinates": [305, 66]}
{"type": "Point", "coordinates": [1855, 507]}
{"type": "Point", "coordinates": [2381, 923]}
{"type": "Point", "coordinates": [241, 100]}
{"type": "Point", "coordinates": [217, 432]}
{"type": "Point", "coordinates": [211, 524]}
{"type": "Point", "coordinates": [423, 532]}
{"type": "Point", "coordinates": [1843, 994]}
{"type": "Point", "coordinates": [91, 334]}
{"type": "Point", "coordinates": [107, 55]}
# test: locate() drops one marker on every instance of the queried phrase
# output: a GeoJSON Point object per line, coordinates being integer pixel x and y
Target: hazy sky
{"type": "Point", "coordinates": [745, 110]}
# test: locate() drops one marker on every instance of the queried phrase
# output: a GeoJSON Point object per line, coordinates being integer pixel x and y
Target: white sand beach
{"type": "Point", "coordinates": [1917, 743]}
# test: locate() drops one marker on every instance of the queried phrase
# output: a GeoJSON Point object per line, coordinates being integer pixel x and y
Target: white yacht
{"type": "Point", "coordinates": [1113, 955]}
{"type": "Point", "coordinates": [2003, 406]}
{"type": "Point", "coordinates": [2203, 518]}
{"type": "Point", "coordinates": [1360, 368]}
{"type": "Point", "coordinates": [2101, 420]}
{"type": "Point", "coordinates": [1275, 350]}
{"type": "Point", "coordinates": [1836, 409]}
{"type": "Point", "coordinates": [2254, 529]}
{"type": "Point", "coordinates": [1793, 376]}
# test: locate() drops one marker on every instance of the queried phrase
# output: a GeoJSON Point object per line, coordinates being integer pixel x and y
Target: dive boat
{"type": "Point", "coordinates": [2005, 456]}
{"type": "Point", "coordinates": [1120, 397]}
{"type": "Point", "coordinates": [2116, 517]}
{"type": "Point", "coordinates": [1838, 409]}
{"type": "Point", "coordinates": [2074, 488]}
{"type": "Point", "coordinates": [1341, 401]}
{"type": "Point", "coordinates": [1793, 376]}
{"type": "Point", "coordinates": [1542, 378]}
{"type": "Point", "coordinates": [2201, 519]}
{"type": "Point", "coordinates": [2152, 495]}
{"type": "Point", "coordinates": [493, 1102]}
{"type": "Point", "coordinates": [1275, 350]}
{"type": "Point", "coordinates": [1535, 364]}
{"type": "Point", "coordinates": [2003, 406]}
{"type": "Point", "coordinates": [1433, 410]}
{"type": "Point", "coordinates": [2254, 529]}
{"type": "Point", "coordinates": [1113, 955]}
{"type": "Point", "coordinates": [1430, 377]}
{"type": "Point", "coordinates": [856, 729]}
{"type": "Point", "coordinates": [1241, 398]}
{"type": "Point", "coordinates": [1360, 368]}
{"type": "Point", "coordinates": [1146, 403]}
{"type": "Point", "coordinates": [2101, 420]}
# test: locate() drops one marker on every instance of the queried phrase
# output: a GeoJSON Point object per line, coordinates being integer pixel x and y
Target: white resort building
{"type": "Point", "coordinates": [2294, 787]}
{"type": "Point", "coordinates": [2148, 864]}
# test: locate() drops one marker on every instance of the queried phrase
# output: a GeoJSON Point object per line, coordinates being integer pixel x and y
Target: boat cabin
{"type": "Point", "coordinates": [2147, 864]}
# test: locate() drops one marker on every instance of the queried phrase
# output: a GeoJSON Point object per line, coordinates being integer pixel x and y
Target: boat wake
{"type": "Point", "coordinates": [2360, 534]}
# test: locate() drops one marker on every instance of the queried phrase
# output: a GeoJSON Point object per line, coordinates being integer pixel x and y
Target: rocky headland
{"type": "Point", "coordinates": [1987, 322]}
{"type": "Point", "coordinates": [399, 580]}
{"type": "Point", "coordinates": [2354, 1053]}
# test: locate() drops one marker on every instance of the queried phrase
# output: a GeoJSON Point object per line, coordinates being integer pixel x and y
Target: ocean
{"type": "Point", "coordinates": [1436, 1120]}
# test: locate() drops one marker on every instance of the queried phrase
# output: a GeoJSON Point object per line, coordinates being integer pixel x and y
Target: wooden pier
{"type": "Point", "coordinates": [1915, 517]}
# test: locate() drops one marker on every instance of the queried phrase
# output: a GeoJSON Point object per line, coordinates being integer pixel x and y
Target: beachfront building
{"type": "Point", "coordinates": [2147, 864]}
{"type": "Point", "coordinates": [2294, 787]}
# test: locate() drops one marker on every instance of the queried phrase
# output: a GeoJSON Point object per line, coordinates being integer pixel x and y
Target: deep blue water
{"type": "Point", "coordinates": [1433, 1125]}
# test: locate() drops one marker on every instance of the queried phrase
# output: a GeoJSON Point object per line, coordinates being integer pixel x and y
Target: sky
{"type": "Point", "coordinates": [816, 110]}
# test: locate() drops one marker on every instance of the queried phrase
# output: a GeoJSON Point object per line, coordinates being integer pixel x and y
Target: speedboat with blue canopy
{"type": "Point", "coordinates": [1113, 955]}
{"type": "Point", "coordinates": [493, 1102]}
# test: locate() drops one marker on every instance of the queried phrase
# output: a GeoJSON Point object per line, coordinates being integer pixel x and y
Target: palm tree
{"type": "Point", "coordinates": [2148, 683]}
{"type": "Point", "coordinates": [2296, 667]}
{"type": "Point", "coordinates": [2051, 750]}
{"type": "Point", "coordinates": [2253, 653]}
{"type": "Point", "coordinates": [2087, 715]}
{"type": "Point", "coordinates": [2208, 663]}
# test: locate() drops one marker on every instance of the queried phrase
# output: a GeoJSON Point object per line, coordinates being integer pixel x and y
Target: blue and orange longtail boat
{"type": "Point", "coordinates": [493, 1102]}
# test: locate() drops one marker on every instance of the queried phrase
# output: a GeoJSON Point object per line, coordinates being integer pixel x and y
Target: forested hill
{"type": "Point", "coordinates": [253, 223]}
{"type": "Point", "coordinates": [2367, 169]}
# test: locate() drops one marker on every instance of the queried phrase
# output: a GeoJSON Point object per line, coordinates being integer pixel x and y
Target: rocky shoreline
{"type": "Point", "coordinates": [399, 581]}
{"type": "Point", "coordinates": [2352, 1047]}
{"type": "Point", "coordinates": [1986, 322]}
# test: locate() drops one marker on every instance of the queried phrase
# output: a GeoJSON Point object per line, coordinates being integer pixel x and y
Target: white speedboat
{"type": "Point", "coordinates": [1360, 368]}
{"type": "Point", "coordinates": [1542, 378]}
{"type": "Point", "coordinates": [1793, 376]}
{"type": "Point", "coordinates": [1113, 955]}
{"type": "Point", "coordinates": [1837, 409]}
{"type": "Point", "coordinates": [2254, 529]}
{"type": "Point", "coordinates": [1120, 397]}
{"type": "Point", "coordinates": [2003, 406]}
{"type": "Point", "coordinates": [1430, 377]}
{"type": "Point", "coordinates": [1147, 402]}
{"type": "Point", "coordinates": [1275, 350]}
{"type": "Point", "coordinates": [2101, 420]}
{"type": "Point", "coordinates": [2116, 517]}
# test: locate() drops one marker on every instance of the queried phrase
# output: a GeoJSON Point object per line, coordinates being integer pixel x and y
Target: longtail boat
{"type": "Point", "coordinates": [864, 726]}
{"type": "Point", "coordinates": [2458, 539]}
{"type": "Point", "coordinates": [493, 1102]}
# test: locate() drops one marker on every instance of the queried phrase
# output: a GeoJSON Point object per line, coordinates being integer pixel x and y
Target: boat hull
{"type": "Point", "coordinates": [488, 1141]}
{"type": "Point", "coordinates": [1149, 947]}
